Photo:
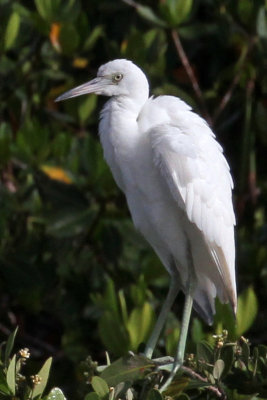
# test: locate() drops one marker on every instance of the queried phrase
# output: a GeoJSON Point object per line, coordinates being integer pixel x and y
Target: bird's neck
{"type": "Point", "coordinates": [129, 106]}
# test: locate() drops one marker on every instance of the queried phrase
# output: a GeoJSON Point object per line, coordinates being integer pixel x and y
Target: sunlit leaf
{"type": "Point", "coordinates": [12, 30]}
{"type": "Point", "coordinates": [86, 107]}
{"type": "Point", "coordinates": [56, 173]}
{"type": "Point", "coordinates": [140, 324]}
{"type": "Point", "coordinates": [218, 369]}
{"type": "Point", "coordinates": [247, 308]}
{"type": "Point", "coordinates": [100, 387]}
{"type": "Point", "coordinates": [44, 375]}
{"type": "Point", "coordinates": [11, 375]}
{"type": "Point", "coordinates": [56, 394]}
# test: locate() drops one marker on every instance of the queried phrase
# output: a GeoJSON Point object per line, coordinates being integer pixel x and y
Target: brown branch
{"type": "Point", "coordinates": [189, 70]}
{"type": "Point", "coordinates": [229, 92]}
{"type": "Point", "coordinates": [219, 393]}
{"type": "Point", "coordinates": [169, 360]}
{"type": "Point", "coordinates": [131, 3]}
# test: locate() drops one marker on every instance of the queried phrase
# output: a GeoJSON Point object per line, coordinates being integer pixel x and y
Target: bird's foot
{"type": "Point", "coordinates": [170, 365]}
{"type": "Point", "coordinates": [174, 368]}
{"type": "Point", "coordinates": [164, 363]}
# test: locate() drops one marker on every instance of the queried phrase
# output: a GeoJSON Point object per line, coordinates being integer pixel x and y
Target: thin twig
{"type": "Point", "coordinates": [189, 70]}
{"type": "Point", "coordinates": [185, 62]}
{"type": "Point", "coordinates": [195, 375]}
{"type": "Point", "coordinates": [130, 3]}
{"type": "Point", "coordinates": [169, 360]}
{"type": "Point", "coordinates": [229, 92]}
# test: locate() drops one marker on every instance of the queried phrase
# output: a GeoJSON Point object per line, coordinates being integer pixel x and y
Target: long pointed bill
{"type": "Point", "coordinates": [92, 86]}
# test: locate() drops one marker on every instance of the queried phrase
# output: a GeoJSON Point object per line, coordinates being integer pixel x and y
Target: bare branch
{"type": "Point", "coordinates": [191, 75]}
{"type": "Point", "coordinates": [229, 92]}
{"type": "Point", "coordinates": [219, 393]}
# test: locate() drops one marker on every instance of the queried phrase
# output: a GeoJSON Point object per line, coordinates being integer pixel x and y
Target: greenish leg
{"type": "Point", "coordinates": [179, 358]}
{"type": "Point", "coordinates": [171, 296]}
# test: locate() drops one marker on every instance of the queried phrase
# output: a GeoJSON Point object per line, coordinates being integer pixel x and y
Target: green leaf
{"type": "Point", "coordinates": [245, 352]}
{"type": "Point", "coordinates": [245, 10]}
{"type": "Point", "coordinates": [176, 12]}
{"type": "Point", "coordinates": [154, 394]}
{"type": "Point", "coordinates": [113, 333]}
{"type": "Point", "coordinates": [92, 396]}
{"type": "Point", "coordinates": [87, 106]}
{"type": "Point", "coordinates": [97, 32]}
{"type": "Point", "coordinates": [262, 23]}
{"type": "Point", "coordinates": [262, 351]}
{"type": "Point", "coordinates": [247, 308]}
{"type": "Point", "coordinates": [204, 352]}
{"type": "Point", "coordinates": [255, 359]}
{"type": "Point", "coordinates": [148, 14]}
{"type": "Point", "coordinates": [228, 356]}
{"type": "Point", "coordinates": [9, 345]}
{"type": "Point", "coordinates": [177, 386]}
{"type": "Point", "coordinates": [100, 387]}
{"type": "Point", "coordinates": [69, 38]}
{"type": "Point", "coordinates": [197, 333]}
{"type": "Point", "coordinates": [68, 224]}
{"type": "Point", "coordinates": [56, 394]}
{"type": "Point", "coordinates": [12, 30]}
{"type": "Point", "coordinates": [224, 319]}
{"type": "Point", "coordinates": [5, 142]}
{"type": "Point", "coordinates": [171, 334]}
{"type": "Point", "coordinates": [51, 10]}
{"type": "Point", "coordinates": [44, 375]}
{"type": "Point", "coordinates": [218, 369]}
{"type": "Point", "coordinates": [11, 375]}
{"type": "Point", "coordinates": [128, 368]}
{"type": "Point", "coordinates": [4, 389]}
{"type": "Point", "coordinates": [140, 324]}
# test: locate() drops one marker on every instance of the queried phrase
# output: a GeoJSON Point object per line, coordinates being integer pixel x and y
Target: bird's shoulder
{"type": "Point", "coordinates": [161, 110]}
{"type": "Point", "coordinates": [188, 155]}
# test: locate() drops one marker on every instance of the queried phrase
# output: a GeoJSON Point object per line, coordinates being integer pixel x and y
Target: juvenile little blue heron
{"type": "Point", "coordinates": [178, 187]}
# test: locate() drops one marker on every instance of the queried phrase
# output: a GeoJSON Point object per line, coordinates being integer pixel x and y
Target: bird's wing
{"type": "Point", "coordinates": [191, 161]}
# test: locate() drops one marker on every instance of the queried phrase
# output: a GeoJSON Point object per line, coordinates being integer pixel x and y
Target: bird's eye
{"type": "Point", "coordinates": [117, 77]}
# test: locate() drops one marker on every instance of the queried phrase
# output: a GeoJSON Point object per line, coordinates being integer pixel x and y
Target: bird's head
{"type": "Point", "coordinates": [115, 78]}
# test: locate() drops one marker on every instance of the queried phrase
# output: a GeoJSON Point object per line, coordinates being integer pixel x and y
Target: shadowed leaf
{"type": "Point", "coordinates": [9, 345]}
{"type": "Point", "coordinates": [128, 368]}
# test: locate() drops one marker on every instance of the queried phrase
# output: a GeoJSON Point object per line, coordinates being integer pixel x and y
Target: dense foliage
{"type": "Point", "coordinates": [75, 276]}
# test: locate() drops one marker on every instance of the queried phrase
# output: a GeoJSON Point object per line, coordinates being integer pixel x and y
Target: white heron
{"type": "Point", "coordinates": [178, 187]}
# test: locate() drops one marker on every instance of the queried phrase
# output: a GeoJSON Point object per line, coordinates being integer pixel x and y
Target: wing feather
{"type": "Point", "coordinates": [193, 164]}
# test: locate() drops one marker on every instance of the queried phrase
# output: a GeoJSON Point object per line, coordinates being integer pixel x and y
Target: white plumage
{"type": "Point", "coordinates": [176, 180]}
